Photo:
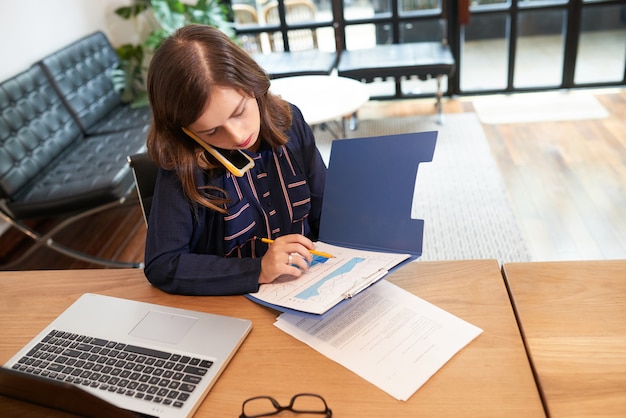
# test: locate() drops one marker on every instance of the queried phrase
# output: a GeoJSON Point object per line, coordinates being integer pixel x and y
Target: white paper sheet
{"type": "Point", "coordinates": [386, 335]}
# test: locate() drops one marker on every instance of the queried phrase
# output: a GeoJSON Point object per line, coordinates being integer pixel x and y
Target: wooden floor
{"type": "Point", "coordinates": [566, 182]}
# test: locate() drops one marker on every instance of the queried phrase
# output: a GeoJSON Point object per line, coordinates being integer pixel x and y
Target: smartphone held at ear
{"type": "Point", "coordinates": [238, 162]}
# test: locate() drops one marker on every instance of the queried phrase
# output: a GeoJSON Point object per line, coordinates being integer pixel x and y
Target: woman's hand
{"type": "Point", "coordinates": [288, 255]}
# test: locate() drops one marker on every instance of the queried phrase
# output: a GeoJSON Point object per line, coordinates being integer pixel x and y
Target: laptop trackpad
{"type": "Point", "coordinates": [164, 327]}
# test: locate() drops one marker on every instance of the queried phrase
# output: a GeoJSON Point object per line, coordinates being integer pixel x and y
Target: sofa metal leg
{"type": "Point", "coordinates": [47, 241]}
{"type": "Point", "coordinates": [50, 243]}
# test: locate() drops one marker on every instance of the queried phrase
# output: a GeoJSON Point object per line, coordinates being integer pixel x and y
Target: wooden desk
{"type": "Point", "coordinates": [491, 377]}
{"type": "Point", "coordinates": [573, 317]}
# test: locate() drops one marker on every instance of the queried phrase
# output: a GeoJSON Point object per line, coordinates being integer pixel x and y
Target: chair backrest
{"type": "Point", "coordinates": [296, 11]}
{"type": "Point", "coordinates": [245, 14]}
{"type": "Point", "coordinates": [145, 173]}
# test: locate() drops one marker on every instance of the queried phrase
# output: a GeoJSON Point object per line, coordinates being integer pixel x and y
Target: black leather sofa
{"type": "Point", "coordinates": [64, 140]}
{"type": "Point", "coordinates": [81, 74]}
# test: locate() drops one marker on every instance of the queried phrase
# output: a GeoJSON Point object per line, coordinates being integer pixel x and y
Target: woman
{"type": "Point", "coordinates": [205, 223]}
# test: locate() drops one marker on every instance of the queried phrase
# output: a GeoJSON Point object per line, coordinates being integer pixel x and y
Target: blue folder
{"type": "Point", "coordinates": [368, 197]}
{"type": "Point", "coordinates": [369, 192]}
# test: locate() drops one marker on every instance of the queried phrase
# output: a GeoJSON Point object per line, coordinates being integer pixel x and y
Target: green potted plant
{"type": "Point", "coordinates": [165, 16]}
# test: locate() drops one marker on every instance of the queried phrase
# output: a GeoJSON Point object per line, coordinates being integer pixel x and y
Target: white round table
{"type": "Point", "coordinates": [322, 98]}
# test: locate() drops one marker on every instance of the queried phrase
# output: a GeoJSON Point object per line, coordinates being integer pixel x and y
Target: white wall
{"type": "Point", "coordinates": [32, 29]}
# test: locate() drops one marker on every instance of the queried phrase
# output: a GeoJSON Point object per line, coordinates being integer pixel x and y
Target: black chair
{"type": "Point", "coordinates": [145, 172]}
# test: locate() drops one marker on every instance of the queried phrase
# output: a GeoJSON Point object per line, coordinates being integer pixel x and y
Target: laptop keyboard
{"type": "Point", "coordinates": [129, 370]}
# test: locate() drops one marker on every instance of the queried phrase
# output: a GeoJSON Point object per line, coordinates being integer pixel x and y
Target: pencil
{"type": "Point", "coordinates": [315, 252]}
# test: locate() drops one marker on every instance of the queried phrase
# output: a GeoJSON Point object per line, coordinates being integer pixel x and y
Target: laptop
{"type": "Point", "coordinates": [27, 395]}
{"type": "Point", "coordinates": [150, 360]}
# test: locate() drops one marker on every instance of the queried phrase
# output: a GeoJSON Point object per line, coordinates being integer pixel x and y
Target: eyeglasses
{"type": "Point", "coordinates": [302, 403]}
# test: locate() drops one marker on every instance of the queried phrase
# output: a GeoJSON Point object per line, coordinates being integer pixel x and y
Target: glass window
{"type": "Point", "coordinates": [362, 9]}
{"type": "Point", "coordinates": [488, 4]}
{"type": "Point", "coordinates": [431, 30]}
{"type": "Point", "coordinates": [534, 3]}
{"type": "Point", "coordinates": [299, 40]}
{"type": "Point", "coordinates": [262, 12]}
{"type": "Point", "coordinates": [246, 16]}
{"type": "Point", "coordinates": [361, 36]}
{"type": "Point", "coordinates": [485, 53]}
{"type": "Point", "coordinates": [415, 86]}
{"type": "Point", "coordinates": [382, 88]}
{"type": "Point", "coordinates": [540, 48]}
{"type": "Point", "coordinates": [407, 6]}
{"type": "Point", "coordinates": [259, 13]}
{"type": "Point", "coordinates": [296, 11]}
{"type": "Point", "coordinates": [601, 45]}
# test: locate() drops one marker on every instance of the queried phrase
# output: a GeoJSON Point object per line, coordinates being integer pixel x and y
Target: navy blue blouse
{"type": "Point", "coordinates": [193, 250]}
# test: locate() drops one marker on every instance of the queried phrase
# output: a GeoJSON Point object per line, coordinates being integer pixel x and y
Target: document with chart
{"type": "Point", "coordinates": [328, 281]}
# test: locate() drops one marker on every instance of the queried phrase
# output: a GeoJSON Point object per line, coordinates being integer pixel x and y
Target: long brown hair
{"type": "Point", "coordinates": [181, 76]}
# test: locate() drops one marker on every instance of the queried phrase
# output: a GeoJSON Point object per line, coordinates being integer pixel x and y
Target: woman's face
{"type": "Point", "coordinates": [231, 121]}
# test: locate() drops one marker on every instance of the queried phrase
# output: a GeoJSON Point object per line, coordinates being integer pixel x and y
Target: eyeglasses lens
{"type": "Point", "coordinates": [259, 407]}
{"type": "Point", "coordinates": [308, 403]}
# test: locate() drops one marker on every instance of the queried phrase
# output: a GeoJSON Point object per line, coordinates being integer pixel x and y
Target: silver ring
{"type": "Point", "coordinates": [289, 260]}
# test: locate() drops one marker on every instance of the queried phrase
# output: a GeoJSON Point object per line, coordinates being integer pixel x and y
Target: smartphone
{"type": "Point", "coordinates": [238, 162]}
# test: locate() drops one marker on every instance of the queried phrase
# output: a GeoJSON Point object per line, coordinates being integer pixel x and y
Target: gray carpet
{"type": "Point", "coordinates": [460, 194]}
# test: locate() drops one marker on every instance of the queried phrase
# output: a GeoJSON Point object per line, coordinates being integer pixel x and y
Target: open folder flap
{"type": "Point", "coordinates": [367, 207]}
{"type": "Point", "coordinates": [369, 192]}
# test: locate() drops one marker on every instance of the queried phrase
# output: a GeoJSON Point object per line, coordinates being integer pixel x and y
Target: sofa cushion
{"type": "Point", "coordinates": [92, 172]}
{"type": "Point", "coordinates": [121, 118]}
